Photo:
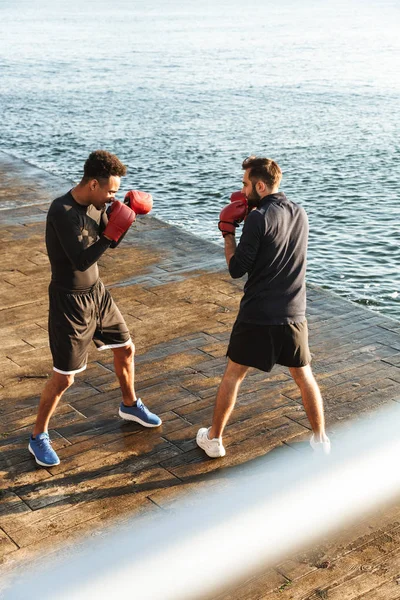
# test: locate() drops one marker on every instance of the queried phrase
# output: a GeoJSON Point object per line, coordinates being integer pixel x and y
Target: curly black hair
{"type": "Point", "coordinates": [102, 165]}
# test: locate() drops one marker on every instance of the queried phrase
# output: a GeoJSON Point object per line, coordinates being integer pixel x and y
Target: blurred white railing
{"type": "Point", "coordinates": [222, 535]}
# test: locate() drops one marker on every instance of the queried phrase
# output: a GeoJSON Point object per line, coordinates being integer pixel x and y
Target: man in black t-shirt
{"type": "Point", "coordinates": [271, 326]}
{"type": "Point", "coordinates": [78, 232]}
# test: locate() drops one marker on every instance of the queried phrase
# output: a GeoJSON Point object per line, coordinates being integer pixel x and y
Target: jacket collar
{"type": "Point", "coordinates": [277, 197]}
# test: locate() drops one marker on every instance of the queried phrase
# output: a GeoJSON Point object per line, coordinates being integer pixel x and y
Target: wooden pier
{"type": "Point", "coordinates": [180, 303]}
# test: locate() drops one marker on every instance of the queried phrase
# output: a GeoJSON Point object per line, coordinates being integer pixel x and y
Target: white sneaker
{"type": "Point", "coordinates": [213, 448]}
{"type": "Point", "coordinates": [321, 447]}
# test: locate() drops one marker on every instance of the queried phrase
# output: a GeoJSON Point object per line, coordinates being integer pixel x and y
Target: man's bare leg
{"type": "Point", "coordinates": [210, 439]}
{"type": "Point", "coordinates": [125, 371]}
{"type": "Point", "coordinates": [312, 400]}
{"type": "Point", "coordinates": [51, 395]}
{"type": "Point", "coordinates": [226, 397]}
{"type": "Point", "coordinates": [131, 408]}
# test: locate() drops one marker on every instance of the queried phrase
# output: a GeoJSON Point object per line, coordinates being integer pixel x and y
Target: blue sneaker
{"type": "Point", "coordinates": [40, 447]}
{"type": "Point", "coordinates": [140, 414]}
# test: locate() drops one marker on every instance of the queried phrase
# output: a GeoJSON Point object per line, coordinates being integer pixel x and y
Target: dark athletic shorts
{"type": "Point", "coordinates": [263, 346]}
{"type": "Point", "coordinates": [77, 318]}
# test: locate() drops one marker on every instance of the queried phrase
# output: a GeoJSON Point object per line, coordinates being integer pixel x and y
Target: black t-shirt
{"type": "Point", "coordinates": [74, 243]}
{"type": "Point", "coordinates": [273, 251]}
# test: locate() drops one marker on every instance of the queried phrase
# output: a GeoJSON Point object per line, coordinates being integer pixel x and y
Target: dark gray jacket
{"type": "Point", "coordinates": [273, 251]}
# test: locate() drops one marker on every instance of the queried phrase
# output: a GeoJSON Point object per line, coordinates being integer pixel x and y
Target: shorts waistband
{"type": "Point", "coordinates": [59, 288]}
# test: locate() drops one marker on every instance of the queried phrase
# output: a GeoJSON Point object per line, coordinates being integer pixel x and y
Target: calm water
{"type": "Point", "coordinates": [182, 91]}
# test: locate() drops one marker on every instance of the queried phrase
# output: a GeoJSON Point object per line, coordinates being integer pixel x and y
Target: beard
{"type": "Point", "coordinates": [253, 199]}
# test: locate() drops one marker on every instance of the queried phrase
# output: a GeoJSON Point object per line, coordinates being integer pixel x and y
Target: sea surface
{"type": "Point", "coordinates": [183, 91]}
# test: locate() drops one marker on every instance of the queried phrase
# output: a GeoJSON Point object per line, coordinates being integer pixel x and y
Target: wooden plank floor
{"type": "Point", "coordinates": [180, 304]}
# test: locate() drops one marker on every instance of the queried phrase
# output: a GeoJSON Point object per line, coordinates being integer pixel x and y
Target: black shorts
{"type": "Point", "coordinates": [77, 318]}
{"type": "Point", "coordinates": [263, 346]}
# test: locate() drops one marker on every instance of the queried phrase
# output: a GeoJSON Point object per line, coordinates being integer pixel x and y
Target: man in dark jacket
{"type": "Point", "coordinates": [271, 326]}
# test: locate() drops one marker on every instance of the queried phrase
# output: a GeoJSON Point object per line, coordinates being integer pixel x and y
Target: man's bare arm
{"type": "Point", "coordinates": [230, 247]}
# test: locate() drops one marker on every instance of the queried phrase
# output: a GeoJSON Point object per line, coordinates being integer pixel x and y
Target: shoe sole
{"type": "Point", "coordinates": [39, 462]}
{"type": "Point", "coordinates": [128, 417]}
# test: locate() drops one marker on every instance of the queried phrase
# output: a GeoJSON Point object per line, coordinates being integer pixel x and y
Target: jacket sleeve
{"type": "Point", "coordinates": [247, 250]}
{"type": "Point", "coordinates": [68, 229]}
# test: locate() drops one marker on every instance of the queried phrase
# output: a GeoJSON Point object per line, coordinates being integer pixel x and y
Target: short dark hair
{"type": "Point", "coordinates": [103, 165]}
{"type": "Point", "coordinates": [265, 169]}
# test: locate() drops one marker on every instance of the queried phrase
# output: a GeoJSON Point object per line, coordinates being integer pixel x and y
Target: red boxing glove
{"type": "Point", "coordinates": [120, 218]}
{"type": "Point", "coordinates": [238, 196]}
{"type": "Point", "coordinates": [140, 202]}
{"type": "Point", "coordinates": [230, 217]}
